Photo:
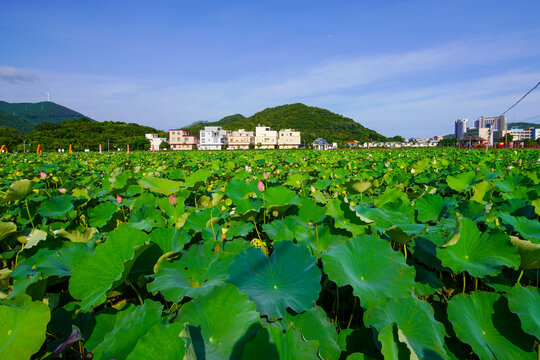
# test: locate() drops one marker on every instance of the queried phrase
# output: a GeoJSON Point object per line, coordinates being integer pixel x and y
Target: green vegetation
{"type": "Point", "coordinates": [34, 114]}
{"type": "Point", "coordinates": [357, 254]}
{"type": "Point", "coordinates": [82, 134]}
{"type": "Point", "coordinates": [523, 125]}
{"type": "Point", "coordinates": [313, 123]}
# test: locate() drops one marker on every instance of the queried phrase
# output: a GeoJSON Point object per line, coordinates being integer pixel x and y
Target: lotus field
{"type": "Point", "coordinates": [370, 254]}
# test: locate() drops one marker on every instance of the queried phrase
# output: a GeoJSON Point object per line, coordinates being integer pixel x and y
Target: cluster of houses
{"type": "Point", "coordinates": [413, 142]}
{"type": "Point", "coordinates": [216, 138]}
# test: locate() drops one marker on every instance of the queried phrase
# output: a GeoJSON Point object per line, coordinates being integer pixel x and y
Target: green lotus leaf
{"type": "Point", "coordinates": [461, 181]}
{"type": "Point", "coordinates": [344, 217]}
{"type": "Point", "coordinates": [6, 229]}
{"type": "Point", "coordinates": [427, 282]}
{"type": "Point", "coordinates": [102, 213]}
{"type": "Point", "coordinates": [319, 238]}
{"type": "Point", "coordinates": [283, 230]}
{"type": "Point", "coordinates": [196, 177]}
{"type": "Point", "coordinates": [56, 207]}
{"type": "Point", "coordinates": [197, 272]}
{"type": "Point", "coordinates": [76, 236]}
{"type": "Point", "coordinates": [432, 207]}
{"type": "Point", "coordinates": [529, 252]}
{"type": "Point", "coordinates": [35, 236]}
{"type": "Point", "coordinates": [295, 180]}
{"type": "Point", "coordinates": [23, 323]}
{"type": "Point", "coordinates": [371, 267]}
{"type": "Point", "coordinates": [536, 204]}
{"type": "Point", "coordinates": [103, 270]}
{"type": "Point", "coordinates": [271, 343]}
{"type": "Point", "coordinates": [394, 344]}
{"type": "Point", "coordinates": [356, 356]}
{"type": "Point", "coordinates": [361, 186]}
{"type": "Point", "coordinates": [472, 210]}
{"type": "Point", "coordinates": [17, 190]}
{"type": "Point", "coordinates": [480, 254]}
{"type": "Point", "coordinates": [483, 321]}
{"type": "Point", "coordinates": [169, 239]}
{"type": "Point", "coordinates": [162, 186]}
{"type": "Point", "coordinates": [279, 198]}
{"type": "Point", "coordinates": [116, 335]}
{"type": "Point", "coordinates": [521, 301]}
{"type": "Point", "coordinates": [390, 195]}
{"type": "Point", "coordinates": [205, 222]}
{"type": "Point", "coordinates": [219, 322]}
{"type": "Point", "coordinates": [482, 192]}
{"type": "Point", "coordinates": [146, 217]}
{"type": "Point", "coordinates": [529, 229]}
{"type": "Point", "coordinates": [161, 342]}
{"type": "Point", "coordinates": [360, 340]}
{"type": "Point", "coordinates": [290, 278]}
{"type": "Point", "coordinates": [241, 194]}
{"type": "Point", "coordinates": [314, 325]}
{"type": "Point", "coordinates": [415, 319]}
{"type": "Point", "coordinates": [309, 211]}
{"type": "Point", "coordinates": [238, 228]}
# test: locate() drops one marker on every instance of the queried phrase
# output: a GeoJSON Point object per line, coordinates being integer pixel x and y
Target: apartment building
{"type": "Point", "coordinates": [213, 138]}
{"type": "Point", "coordinates": [179, 139]}
{"type": "Point", "coordinates": [289, 139]}
{"type": "Point", "coordinates": [265, 138]}
{"type": "Point", "coordinates": [155, 141]}
{"type": "Point", "coordinates": [523, 134]}
{"type": "Point", "coordinates": [240, 139]}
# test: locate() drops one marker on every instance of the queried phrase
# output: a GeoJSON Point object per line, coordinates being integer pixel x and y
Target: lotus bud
{"type": "Point", "coordinates": [260, 186]}
{"type": "Point", "coordinates": [412, 171]}
{"type": "Point", "coordinates": [312, 188]}
{"type": "Point", "coordinates": [42, 175]}
{"type": "Point", "coordinates": [73, 337]}
{"type": "Point", "coordinates": [118, 199]}
{"type": "Point", "coordinates": [510, 167]}
{"type": "Point", "coordinates": [172, 200]}
{"type": "Point", "coordinates": [62, 190]}
{"type": "Point", "coordinates": [492, 169]}
{"type": "Point", "coordinates": [265, 175]}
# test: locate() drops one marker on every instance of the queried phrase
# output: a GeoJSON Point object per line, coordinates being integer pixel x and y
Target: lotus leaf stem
{"type": "Point", "coordinates": [29, 216]}
{"type": "Point", "coordinates": [519, 278]}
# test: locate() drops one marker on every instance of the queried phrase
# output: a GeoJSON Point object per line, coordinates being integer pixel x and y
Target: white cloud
{"type": "Point", "coordinates": [12, 75]}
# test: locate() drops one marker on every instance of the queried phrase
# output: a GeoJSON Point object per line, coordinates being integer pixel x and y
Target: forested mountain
{"type": "Point", "coordinates": [81, 134]}
{"type": "Point", "coordinates": [25, 116]}
{"type": "Point", "coordinates": [523, 125]}
{"type": "Point", "coordinates": [313, 123]}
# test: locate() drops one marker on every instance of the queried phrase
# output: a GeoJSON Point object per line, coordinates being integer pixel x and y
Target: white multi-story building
{"type": "Point", "coordinates": [289, 139]}
{"type": "Point", "coordinates": [523, 134]}
{"type": "Point", "coordinates": [265, 138]}
{"type": "Point", "coordinates": [496, 122]}
{"type": "Point", "coordinates": [240, 139]}
{"type": "Point", "coordinates": [212, 138]}
{"type": "Point", "coordinates": [155, 141]}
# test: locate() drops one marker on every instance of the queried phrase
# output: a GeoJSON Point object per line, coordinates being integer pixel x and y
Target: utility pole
{"type": "Point", "coordinates": [24, 146]}
{"type": "Point", "coordinates": [107, 145]}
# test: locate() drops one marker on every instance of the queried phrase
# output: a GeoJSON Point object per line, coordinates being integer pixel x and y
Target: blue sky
{"type": "Point", "coordinates": [398, 67]}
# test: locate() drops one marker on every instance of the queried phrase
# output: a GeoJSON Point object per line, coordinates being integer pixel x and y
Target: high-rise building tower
{"type": "Point", "coordinates": [460, 128]}
{"type": "Point", "coordinates": [496, 122]}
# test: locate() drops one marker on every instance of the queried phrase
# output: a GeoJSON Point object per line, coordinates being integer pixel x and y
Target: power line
{"type": "Point", "coordinates": [523, 97]}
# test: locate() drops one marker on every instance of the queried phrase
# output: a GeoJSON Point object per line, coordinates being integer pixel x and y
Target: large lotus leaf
{"type": "Point", "coordinates": [6, 229]}
{"type": "Point", "coordinates": [415, 319]}
{"type": "Point", "coordinates": [314, 325]}
{"type": "Point", "coordinates": [241, 194]}
{"type": "Point", "coordinates": [56, 207]}
{"type": "Point", "coordinates": [163, 186]}
{"type": "Point", "coordinates": [220, 322]}
{"type": "Point", "coordinates": [147, 217]}
{"type": "Point", "coordinates": [17, 190]}
{"type": "Point", "coordinates": [271, 343]}
{"type": "Point", "coordinates": [371, 267]}
{"type": "Point", "coordinates": [23, 323]}
{"type": "Point", "coordinates": [536, 204]}
{"type": "Point", "coordinates": [529, 252]}
{"type": "Point", "coordinates": [529, 229]}
{"type": "Point", "coordinates": [238, 228]}
{"type": "Point", "coordinates": [283, 230]}
{"type": "Point", "coordinates": [101, 214]}
{"type": "Point", "coordinates": [290, 278]}
{"type": "Point", "coordinates": [432, 207]}
{"type": "Point", "coordinates": [319, 238]}
{"type": "Point", "coordinates": [196, 177]}
{"type": "Point", "coordinates": [279, 198]}
{"type": "Point", "coordinates": [482, 192]}
{"type": "Point", "coordinates": [115, 335]}
{"type": "Point", "coordinates": [197, 272]}
{"type": "Point", "coordinates": [480, 254]}
{"type": "Point", "coordinates": [205, 222]}
{"type": "Point", "coordinates": [161, 342]}
{"type": "Point", "coordinates": [390, 195]}
{"type": "Point", "coordinates": [47, 263]}
{"type": "Point", "coordinates": [344, 217]}
{"type": "Point", "coordinates": [169, 239]}
{"type": "Point", "coordinates": [101, 271]}
{"type": "Point", "coordinates": [525, 302]}
{"type": "Point", "coordinates": [32, 239]}
{"type": "Point", "coordinates": [309, 211]}
{"type": "Point", "coordinates": [76, 236]}
{"type": "Point", "coordinates": [461, 181]}
{"type": "Point", "coordinates": [394, 344]}
{"type": "Point", "coordinates": [483, 321]}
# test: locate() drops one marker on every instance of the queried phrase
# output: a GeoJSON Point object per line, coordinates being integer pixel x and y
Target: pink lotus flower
{"type": "Point", "coordinates": [510, 167]}
{"type": "Point", "coordinates": [492, 169]}
{"type": "Point", "coordinates": [247, 168]}
{"type": "Point", "coordinates": [118, 199]}
{"type": "Point", "coordinates": [172, 200]}
{"type": "Point", "coordinates": [260, 186]}
{"type": "Point", "coordinates": [312, 188]}
{"type": "Point", "coordinates": [265, 175]}
{"type": "Point", "coordinates": [62, 190]}
{"type": "Point", "coordinates": [42, 175]}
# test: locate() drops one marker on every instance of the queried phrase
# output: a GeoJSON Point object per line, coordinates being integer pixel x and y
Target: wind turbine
{"type": "Point", "coordinates": [48, 96]}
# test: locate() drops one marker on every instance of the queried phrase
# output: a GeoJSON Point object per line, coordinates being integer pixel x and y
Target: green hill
{"type": "Point", "coordinates": [523, 125]}
{"type": "Point", "coordinates": [34, 114]}
{"type": "Point", "coordinates": [311, 121]}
